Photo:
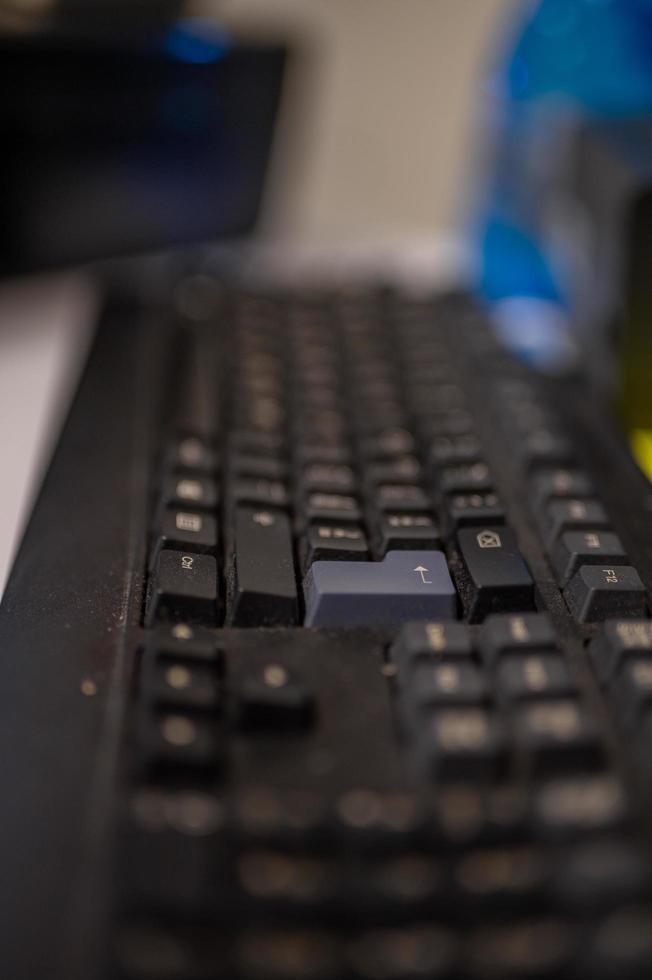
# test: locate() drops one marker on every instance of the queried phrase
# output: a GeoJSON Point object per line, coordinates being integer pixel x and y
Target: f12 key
{"type": "Point", "coordinates": [595, 594]}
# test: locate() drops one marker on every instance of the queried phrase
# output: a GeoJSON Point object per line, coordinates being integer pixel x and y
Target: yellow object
{"type": "Point", "coordinates": [640, 441]}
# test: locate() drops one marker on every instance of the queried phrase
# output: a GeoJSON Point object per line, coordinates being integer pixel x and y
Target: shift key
{"type": "Point", "coordinates": [404, 586]}
{"type": "Point", "coordinates": [497, 578]}
{"type": "Point", "coordinates": [261, 583]}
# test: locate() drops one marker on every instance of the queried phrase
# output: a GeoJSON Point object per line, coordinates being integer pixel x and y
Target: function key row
{"type": "Point", "coordinates": [587, 556]}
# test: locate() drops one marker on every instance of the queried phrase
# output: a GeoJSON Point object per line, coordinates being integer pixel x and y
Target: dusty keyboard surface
{"type": "Point", "coordinates": [382, 708]}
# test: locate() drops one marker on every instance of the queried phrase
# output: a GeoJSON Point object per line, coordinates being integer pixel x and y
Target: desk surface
{"type": "Point", "coordinates": [45, 330]}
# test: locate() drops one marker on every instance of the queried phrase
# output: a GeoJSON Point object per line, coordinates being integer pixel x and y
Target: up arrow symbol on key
{"type": "Point", "coordinates": [422, 572]}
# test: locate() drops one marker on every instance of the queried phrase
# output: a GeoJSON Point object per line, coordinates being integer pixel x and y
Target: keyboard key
{"type": "Point", "coordinates": [502, 878]}
{"type": "Point", "coordinates": [452, 422]}
{"type": "Point", "coordinates": [399, 497]}
{"type": "Point", "coordinates": [272, 698]}
{"type": "Point", "coordinates": [544, 447]}
{"type": "Point", "coordinates": [571, 806]}
{"type": "Point", "coordinates": [444, 683]}
{"type": "Point", "coordinates": [474, 478]}
{"type": "Point", "coordinates": [334, 542]}
{"type": "Point", "coordinates": [596, 593]}
{"type": "Point", "coordinates": [185, 643]}
{"type": "Point", "coordinates": [404, 469]}
{"type": "Point", "coordinates": [187, 531]}
{"type": "Point", "coordinates": [328, 478]}
{"type": "Point", "coordinates": [407, 953]}
{"type": "Point", "coordinates": [540, 948]}
{"type": "Point", "coordinates": [556, 735]}
{"type": "Point", "coordinates": [617, 641]}
{"type": "Point", "coordinates": [548, 484]}
{"type": "Point", "coordinates": [192, 453]}
{"type": "Point", "coordinates": [189, 492]}
{"type": "Point", "coordinates": [450, 450]}
{"type": "Point", "coordinates": [261, 583]}
{"type": "Point", "coordinates": [183, 587]}
{"type": "Point", "coordinates": [533, 675]}
{"type": "Point", "coordinates": [380, 595]}
{"type": "Point", "coordinates": [327, 428]}
{"type": "Point", "coordinates": [283, 817]}
{"type": "Point", "coordinates": [600, 874]}
{"type": "Point", "coordinates": [380, 821]}
{"type": "Point", "coordinates": [257, 467]}
{"type": "Point", "coordinates": [179, 685]}
{"type": "Point", "coordinates": [572, 514]}
{"type": "Point", "coordinates": [409, 532]}
{"type": "Point", "coordinates": [577, 548]}
{"type": "Point", "coordinates": [287, 954]}
{"type": "Point", "coordinates": [306, 453]}
{"type": "Point", "coordinates": [447, 396]}
{"type": "Point", "coordinates": [178, 741]}
{"type": "Point", "coordinates": [256, 443]}
{"type": "Point", "coordinates": [261, 493]}
{"type": "Point", "coordinates": [460, 744]}
{"type": "Point", "coordinates": [166, 841]}
{"type": "Point", "coordinates": [262, 412]}
{"type": "Point", "coordinates": [528, 632]}
{"type": "Point", "coordinates": [620, 947]}
{"type": "Point", "coordinates": [498, 578]}
{"type": "Point", "coordinates": [392, 441]}
{"type": "Point", "coordinates": [465, 509]}
{"type": "Point", "coordinates": [407, 883]}
{"type": "Point", "coordinates": [332, 507]}
{"type": "Point", "coordinates": [632, 688]}
{"type": "Point", "coordinates": [196, 411]}
{"type": "Point", "coordinates": [430, 642]}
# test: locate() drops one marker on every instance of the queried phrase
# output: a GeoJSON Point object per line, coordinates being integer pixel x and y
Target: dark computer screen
{"type": "Point", "coordinates": [117, 144]}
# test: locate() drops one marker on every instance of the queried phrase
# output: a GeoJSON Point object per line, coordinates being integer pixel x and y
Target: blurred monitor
{"type": "Point", "coordinates": [128, 140]}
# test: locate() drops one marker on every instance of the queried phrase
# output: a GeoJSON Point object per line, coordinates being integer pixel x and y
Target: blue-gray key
{"type": "Point", "coordinates": [404, 585]}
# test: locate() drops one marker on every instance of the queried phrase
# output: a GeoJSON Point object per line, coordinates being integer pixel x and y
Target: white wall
{"type": "Point", "coordinates": [393, 99]}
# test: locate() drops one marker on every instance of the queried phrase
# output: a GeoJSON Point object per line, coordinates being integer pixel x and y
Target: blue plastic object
{"type": "Point", "coordinates": [565, 59]}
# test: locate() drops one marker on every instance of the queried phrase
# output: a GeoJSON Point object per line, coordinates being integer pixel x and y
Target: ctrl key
{"type": "Point", "coordinates": [183, 587]}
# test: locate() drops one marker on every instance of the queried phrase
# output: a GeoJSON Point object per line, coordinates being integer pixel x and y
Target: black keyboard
{"type": "Point", "coordinates": [327, 657]}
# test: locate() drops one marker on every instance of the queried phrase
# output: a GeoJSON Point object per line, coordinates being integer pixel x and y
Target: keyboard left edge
{"type": "Point", "coordinates": [71, 593]}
